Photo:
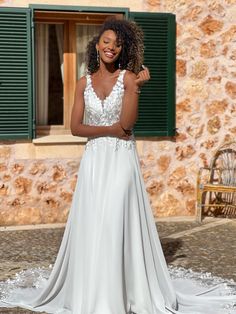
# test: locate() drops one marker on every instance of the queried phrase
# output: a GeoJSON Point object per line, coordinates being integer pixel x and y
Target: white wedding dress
{"type": "Point", "coordinates": [110, 260]}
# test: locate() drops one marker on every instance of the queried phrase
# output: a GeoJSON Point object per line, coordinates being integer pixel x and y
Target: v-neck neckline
{"type": "Point", "coordinates": [94, 92]}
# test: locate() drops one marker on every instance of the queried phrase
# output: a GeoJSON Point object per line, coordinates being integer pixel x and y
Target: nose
{"type": "Point", "coordinates": [111, 46]}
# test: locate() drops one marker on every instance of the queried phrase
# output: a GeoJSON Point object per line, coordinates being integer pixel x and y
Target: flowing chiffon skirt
{"type": "Point", "coordinates": [110, 260]}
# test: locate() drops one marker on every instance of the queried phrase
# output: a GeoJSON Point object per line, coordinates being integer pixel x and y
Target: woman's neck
{"type": "Point", "coordinates": [105, 69]}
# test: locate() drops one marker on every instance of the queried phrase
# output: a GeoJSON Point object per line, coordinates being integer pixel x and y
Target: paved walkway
{"type": "Point", "coordinates": [208, 247]}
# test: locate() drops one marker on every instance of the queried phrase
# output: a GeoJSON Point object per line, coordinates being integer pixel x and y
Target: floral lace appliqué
{"type": "Point", "coordinates": [105, 112]}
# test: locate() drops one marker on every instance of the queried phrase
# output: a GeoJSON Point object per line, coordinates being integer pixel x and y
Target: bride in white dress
{"type": "Point", "coordinates": [110, 260]}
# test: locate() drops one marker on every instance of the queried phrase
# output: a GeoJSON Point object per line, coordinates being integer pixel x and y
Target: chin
{"type": "Point", "coordinates": [107, 60]}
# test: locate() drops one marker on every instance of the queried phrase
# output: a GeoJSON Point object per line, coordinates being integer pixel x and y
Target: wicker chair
{"type": "Point", "coordinates": [216, 185]}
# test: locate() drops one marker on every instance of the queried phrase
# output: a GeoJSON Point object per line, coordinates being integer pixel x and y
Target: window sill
{"type": "Point", "coordinates": [59, 139]}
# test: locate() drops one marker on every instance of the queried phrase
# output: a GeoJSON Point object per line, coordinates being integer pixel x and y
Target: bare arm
{"type": "Point", "coordinates": [80, 129]}
{"type": "Point", "coordinates": [129, 112]}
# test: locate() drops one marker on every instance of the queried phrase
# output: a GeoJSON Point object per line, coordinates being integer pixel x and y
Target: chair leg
{"type": "Point", "coordinates": [199, 204]}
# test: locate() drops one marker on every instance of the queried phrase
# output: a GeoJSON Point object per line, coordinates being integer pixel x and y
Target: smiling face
{"type": "Point", "coordinates": [109, 47]}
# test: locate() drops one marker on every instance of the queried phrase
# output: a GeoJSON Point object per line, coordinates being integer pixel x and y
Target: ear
{"type": "Point", "coordinates": [96, 46]}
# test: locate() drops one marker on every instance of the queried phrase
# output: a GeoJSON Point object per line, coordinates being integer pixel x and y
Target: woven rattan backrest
{"type": "Point", "coordinates": [223, 167]}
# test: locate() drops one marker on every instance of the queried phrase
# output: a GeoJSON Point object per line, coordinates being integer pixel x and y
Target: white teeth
{"type": "Point", "coordinates": [109, 54]}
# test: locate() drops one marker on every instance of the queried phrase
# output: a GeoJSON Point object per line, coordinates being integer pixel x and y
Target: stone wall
{"type": "Point", "coordinates": [40, 190]}
{"type": "Point", "coordinates": [35, 191]}
{"type": "Point", "coordinates": [206, 101]}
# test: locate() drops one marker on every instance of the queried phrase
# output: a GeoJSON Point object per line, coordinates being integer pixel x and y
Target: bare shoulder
{"type": "Point", "coordinates": [81, 84]}
{"type": "Point", "coordinates": [129, 78]}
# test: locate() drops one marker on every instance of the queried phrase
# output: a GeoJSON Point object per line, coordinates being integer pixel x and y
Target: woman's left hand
{"type": "Point", "coordinates": [143, 76]}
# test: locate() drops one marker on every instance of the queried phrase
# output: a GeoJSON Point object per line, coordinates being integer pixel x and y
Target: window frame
{"type": "Point", "coordinates": [39, 13]}
{"type": "Point", "coordinates": [153, 129]}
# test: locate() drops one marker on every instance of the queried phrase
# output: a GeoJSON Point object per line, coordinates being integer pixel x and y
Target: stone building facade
{"type": "Point", "coordinates": [37, 179]}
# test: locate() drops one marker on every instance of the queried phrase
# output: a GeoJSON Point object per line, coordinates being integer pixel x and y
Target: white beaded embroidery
{"type": "Point", "coordinates": [105, 112]}
{"type": "Point", "coordinates": [116, 143]}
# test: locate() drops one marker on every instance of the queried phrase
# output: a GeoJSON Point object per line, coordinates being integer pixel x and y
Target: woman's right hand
{"type": "Point", "coordinates": [118, 131]}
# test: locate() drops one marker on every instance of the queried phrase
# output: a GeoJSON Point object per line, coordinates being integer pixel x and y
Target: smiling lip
{"type": "Point", "coordinates": [109, 54]}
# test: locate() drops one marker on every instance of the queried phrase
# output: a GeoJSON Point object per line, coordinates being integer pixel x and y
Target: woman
{"type": "Point", "coordinates": [110, 260]}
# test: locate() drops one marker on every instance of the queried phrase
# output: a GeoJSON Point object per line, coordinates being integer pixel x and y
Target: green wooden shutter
{"type": "Point", "coordinates": [15, 74]}
{"type": "Point", "coordinates": [157, 100]}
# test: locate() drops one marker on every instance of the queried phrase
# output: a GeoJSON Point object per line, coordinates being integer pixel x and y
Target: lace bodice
{"type": "Point", "coordinates": [103, 112]}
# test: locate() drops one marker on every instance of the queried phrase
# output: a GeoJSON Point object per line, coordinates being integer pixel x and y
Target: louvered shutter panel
{"type": "Point", "coordinates": [15, 74]}
{"type": "Point", "coordinates": [157, 99]}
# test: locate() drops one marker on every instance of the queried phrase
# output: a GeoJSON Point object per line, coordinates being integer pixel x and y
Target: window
{"type": "Point", "coordinates": [60, 44]}
{"type": "Point", "coordinates": [49, 73]}
{"type": "Point", "coordinates": [37, 81]}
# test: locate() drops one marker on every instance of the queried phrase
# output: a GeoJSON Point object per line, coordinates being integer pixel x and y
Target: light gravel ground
{"type": "Point", "coordinates": [208, 247]}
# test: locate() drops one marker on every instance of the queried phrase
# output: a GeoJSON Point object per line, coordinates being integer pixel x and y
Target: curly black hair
{"type": "Point", "coordinates": [131, 37]}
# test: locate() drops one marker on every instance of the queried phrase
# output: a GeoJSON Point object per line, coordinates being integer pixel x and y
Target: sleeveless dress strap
{"type": "Point", "coordinates": [88, 79]}
{"type": "Point", "coordinates": [121, 75]}
{"type": "Point", "coordinates": [120, 80]}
